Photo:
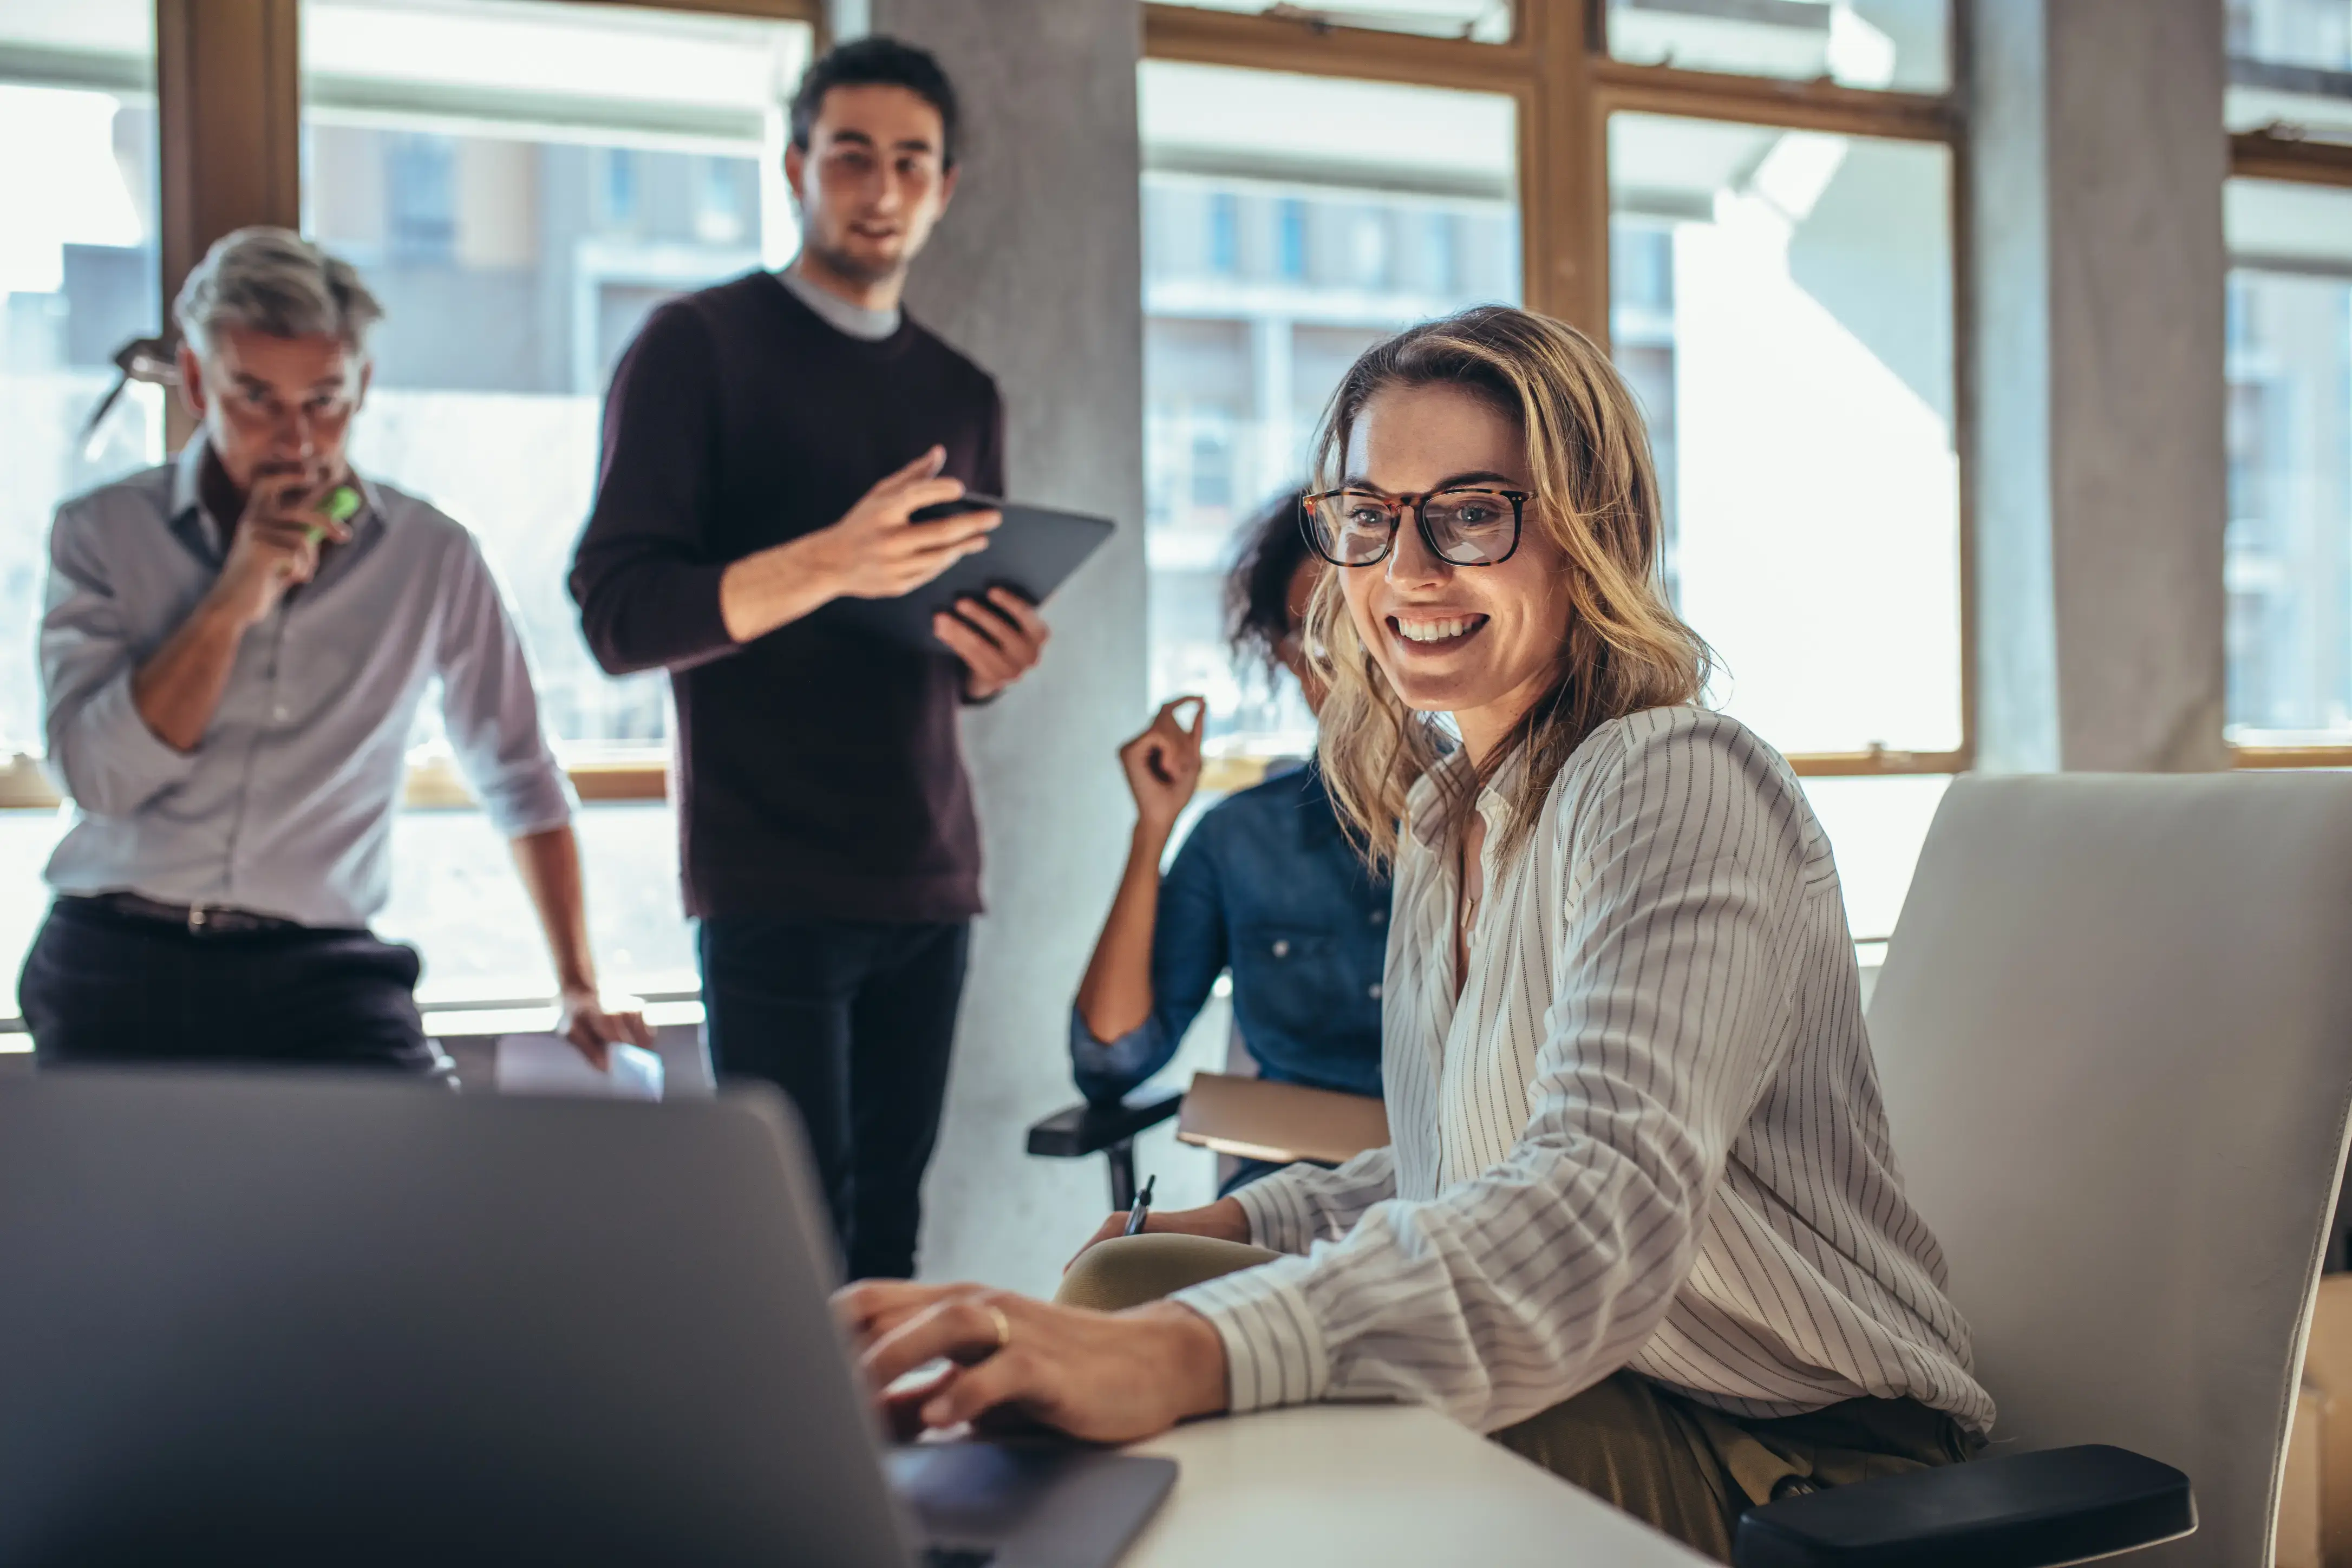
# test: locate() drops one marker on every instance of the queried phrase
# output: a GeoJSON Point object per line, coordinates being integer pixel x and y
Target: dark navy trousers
{"type": "Point", "coordinates": [853, 1020]}
{"type": "Point", "coordinates": [101, 986]}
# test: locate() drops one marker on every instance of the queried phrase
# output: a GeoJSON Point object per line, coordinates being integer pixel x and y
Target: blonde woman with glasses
{"type": "Point", "coordinates": [1640, 1220]}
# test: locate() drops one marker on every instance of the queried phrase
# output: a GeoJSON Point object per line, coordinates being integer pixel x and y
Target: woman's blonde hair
{"type": "Point", "coordinates": [1596, 497]}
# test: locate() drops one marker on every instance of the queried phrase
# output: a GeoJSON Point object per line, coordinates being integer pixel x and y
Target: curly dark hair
{"type": "Point", "coordinates": [1257, 589]}
{"type": "Point", "coordinates": [878, 61]}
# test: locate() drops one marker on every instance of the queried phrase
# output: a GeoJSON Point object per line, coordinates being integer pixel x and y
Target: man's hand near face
{"type": "Point", "coordinates": [275, 545]}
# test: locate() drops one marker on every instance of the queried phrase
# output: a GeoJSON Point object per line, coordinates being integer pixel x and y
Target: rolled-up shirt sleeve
{"type": "Point", "coordinates": [1565, 1257]}
{"type": "Point", "coordinates": [100, 751]}
{"type": "Point", "coordinates": [490, 707]}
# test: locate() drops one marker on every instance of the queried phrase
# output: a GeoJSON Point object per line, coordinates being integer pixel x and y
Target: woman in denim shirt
{"type": "Point", "coordinates": [1266, 885]}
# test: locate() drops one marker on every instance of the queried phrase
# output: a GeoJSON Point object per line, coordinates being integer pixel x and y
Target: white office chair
{"type": "Point", "coordinates": [2114, 1032]}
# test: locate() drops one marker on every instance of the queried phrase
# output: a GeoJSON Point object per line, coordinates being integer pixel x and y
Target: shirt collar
{"type": "Point", "coordinates": [1427, 823]}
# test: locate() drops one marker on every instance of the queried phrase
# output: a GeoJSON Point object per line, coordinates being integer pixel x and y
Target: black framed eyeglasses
{"type": "Point", "coordinates": [1470, 525]}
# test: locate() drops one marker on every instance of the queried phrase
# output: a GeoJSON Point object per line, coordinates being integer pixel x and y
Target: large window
{"type": "Point", "coordinates": [1752, 201]}
{"type": "Point", "coordinates": [523, 181]}
{"type": "Point", "coordinates": [1752, 197]}
{"type": "Point", "coordinates": [2289, 546]}
{"type": "Point", "coordinates": [2287, 564]}
{"type": "Point", "coordinates": [1783, 304]}
{"type": "Point", "coordinates": [78, 280]}
{"type": "Point", "coordinates": [2290, 66]}
{"type": "Point", "coordinates": [1289, 223]}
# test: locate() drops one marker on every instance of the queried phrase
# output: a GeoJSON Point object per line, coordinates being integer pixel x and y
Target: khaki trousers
{"type": "Point", "coordinates": [1681, 1467]}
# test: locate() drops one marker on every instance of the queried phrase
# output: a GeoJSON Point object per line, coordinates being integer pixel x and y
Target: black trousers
{"type": "Point", "coordinates": [100, 987]}
{"type": "Point", "coordinates": [852, 1021]}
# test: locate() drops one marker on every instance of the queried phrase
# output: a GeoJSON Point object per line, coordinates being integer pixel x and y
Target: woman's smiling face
{"type": "Point", "coordinates": [1482, 643]}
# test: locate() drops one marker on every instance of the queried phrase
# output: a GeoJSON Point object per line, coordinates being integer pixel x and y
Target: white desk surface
{"type": "Point", "coordinates": [1372, 1485]}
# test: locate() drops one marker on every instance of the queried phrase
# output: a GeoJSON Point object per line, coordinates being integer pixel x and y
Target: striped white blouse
{"type": "Point", "coordinates": [1648, 1135]}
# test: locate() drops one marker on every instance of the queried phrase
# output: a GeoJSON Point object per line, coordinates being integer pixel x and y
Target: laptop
{"type": "Point", "coordinates": [328, 1318]}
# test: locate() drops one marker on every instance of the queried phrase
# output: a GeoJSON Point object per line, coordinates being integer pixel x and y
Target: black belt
{"type": "Point", "coordinates": [198, 920]}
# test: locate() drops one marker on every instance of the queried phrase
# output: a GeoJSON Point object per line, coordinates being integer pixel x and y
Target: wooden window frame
{"type": "Point", "coordinates": [1556, 70]}
{"type": "Point", "coordinates": [2261, 156]}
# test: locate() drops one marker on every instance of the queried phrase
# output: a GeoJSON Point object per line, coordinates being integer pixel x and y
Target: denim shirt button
{"type": "Point", "coordinates": [1375, 992]}
{"type": "Point", "coordinates": [1380, 917]}
{"type": "Point", "coordinates": [1281, 948]}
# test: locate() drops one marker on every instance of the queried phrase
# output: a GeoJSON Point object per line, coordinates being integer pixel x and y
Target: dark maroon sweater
{"type": "Point", "coordinates": [818, 770]}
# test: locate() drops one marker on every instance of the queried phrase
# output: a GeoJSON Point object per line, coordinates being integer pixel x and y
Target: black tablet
{"type": "Point", "coordinates": [1031, 552]}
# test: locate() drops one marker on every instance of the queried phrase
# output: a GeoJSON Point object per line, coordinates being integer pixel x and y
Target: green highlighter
{"type": "Point", "coordinates": [343, 506]}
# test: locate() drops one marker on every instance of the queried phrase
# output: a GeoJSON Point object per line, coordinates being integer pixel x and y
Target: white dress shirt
{"type": "Point", "coordinates": [285, 805]}
{"type": "Point", "coordinates": [1647, 1135]}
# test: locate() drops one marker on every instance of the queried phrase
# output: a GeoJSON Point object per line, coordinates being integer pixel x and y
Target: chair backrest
{"type": "Point", "coordinates": [2114, 1032]}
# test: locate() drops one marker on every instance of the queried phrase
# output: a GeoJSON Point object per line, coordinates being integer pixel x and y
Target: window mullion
{"type": "Point", "coordinates": [228, 109]}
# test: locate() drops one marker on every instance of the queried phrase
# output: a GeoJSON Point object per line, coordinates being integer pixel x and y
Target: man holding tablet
{"type": "Point", "coordinates": [766, 444]}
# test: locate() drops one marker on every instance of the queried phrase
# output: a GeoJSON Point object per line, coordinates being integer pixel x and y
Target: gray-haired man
{"type": "Point", "coordinates": [230, 666]}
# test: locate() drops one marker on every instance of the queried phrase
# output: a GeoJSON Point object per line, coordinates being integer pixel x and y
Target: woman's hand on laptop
{"type": "Point", "coordinates": [1107, 1377]}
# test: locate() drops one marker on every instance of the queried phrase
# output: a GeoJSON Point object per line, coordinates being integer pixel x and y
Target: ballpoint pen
{"type": "Point", "coordinates": [1142, 1206]}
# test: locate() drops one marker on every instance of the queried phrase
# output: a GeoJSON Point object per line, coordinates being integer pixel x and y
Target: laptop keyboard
{"type": "Point", "coordinates": [957, 1557]}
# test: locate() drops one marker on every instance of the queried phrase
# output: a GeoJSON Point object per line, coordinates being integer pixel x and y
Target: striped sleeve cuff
{"type": "Point", "coordinates": [1275, 1351]}
{"type": "Point", "coordinates": [1280, 1218]}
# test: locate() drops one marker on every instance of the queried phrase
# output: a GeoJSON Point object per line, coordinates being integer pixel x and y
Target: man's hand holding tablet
{"type": "Point", "coordinates": [873, 552]}
{"type": "Point", "coordinates": [999, 639]}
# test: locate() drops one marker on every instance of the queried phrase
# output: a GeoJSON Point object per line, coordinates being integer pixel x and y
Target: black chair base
{"type": "Point", "coordinates": [2022, 1510]}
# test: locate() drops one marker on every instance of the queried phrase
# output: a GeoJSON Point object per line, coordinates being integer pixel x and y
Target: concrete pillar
{"type": "Point", "coordinates": [2096, 174]}
{"type": "Point", "coordinates": [1036, 273]}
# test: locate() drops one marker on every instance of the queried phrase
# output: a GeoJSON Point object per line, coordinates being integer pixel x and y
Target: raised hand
{"type": "Point", "coordinates": [1163, 763]}
{"type": "Point", "coordinates": [277, 545]}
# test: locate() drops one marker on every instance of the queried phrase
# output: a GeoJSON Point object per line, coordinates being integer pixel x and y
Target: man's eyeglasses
{"type": "Point", "coordinates": [1471, 526]}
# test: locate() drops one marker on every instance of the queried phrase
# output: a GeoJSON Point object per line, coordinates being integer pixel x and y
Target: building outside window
{"type": "Point", "coordinates": [2287, 62]}
{"type": "Point", "coordinates": [2288, 548]}
{"type": "Point", "coordinates": [420, 198]}
{"type": "Point", "coordinates": [1897, 44]}
{"type": "Point", "coordinates": [618, 171]}
{"type": "Point", "coordinates": [2288, 563]}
